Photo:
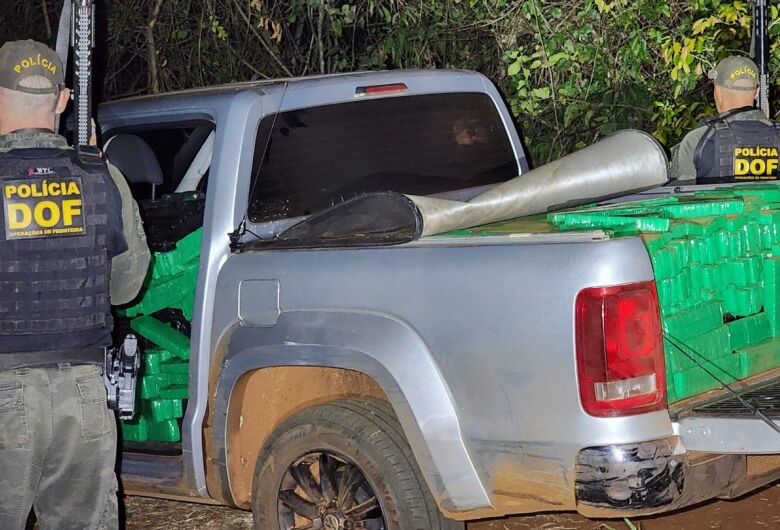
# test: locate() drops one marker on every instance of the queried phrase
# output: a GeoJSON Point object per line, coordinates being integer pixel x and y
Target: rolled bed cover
{"type": "Point", "coordinates": [621, 164]}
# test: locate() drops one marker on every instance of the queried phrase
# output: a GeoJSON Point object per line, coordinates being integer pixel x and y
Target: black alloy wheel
{"type": "Point", "coordinates": [344, 465]}
{"type": "Point", "coordinates": [323, 490]}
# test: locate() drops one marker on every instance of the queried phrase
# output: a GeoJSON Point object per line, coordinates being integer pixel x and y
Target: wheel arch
{"type": "Point", "coordinates": [249, 426]}
{"type": "Point", "coordinates": [348, 355]}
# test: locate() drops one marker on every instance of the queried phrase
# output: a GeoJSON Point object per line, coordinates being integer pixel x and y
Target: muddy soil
{"type": "Point", "coordinates": [758, 511]}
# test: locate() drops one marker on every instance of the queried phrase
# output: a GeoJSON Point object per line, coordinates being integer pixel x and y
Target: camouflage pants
{"type": "Point", "coordinates": [57, 449]}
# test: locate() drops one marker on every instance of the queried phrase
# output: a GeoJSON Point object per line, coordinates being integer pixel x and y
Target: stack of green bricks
{"type": "Point", "coordinates": [163, 381]}
{"type": "Point", "coordinates": [716, 262]}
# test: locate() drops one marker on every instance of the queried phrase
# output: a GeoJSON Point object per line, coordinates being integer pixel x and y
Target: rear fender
{"type": "Point", "coordinates": [386, 350]}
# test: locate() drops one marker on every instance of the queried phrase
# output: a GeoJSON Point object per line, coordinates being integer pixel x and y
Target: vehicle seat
{"type": "Point", "coordinates": [135, 159]}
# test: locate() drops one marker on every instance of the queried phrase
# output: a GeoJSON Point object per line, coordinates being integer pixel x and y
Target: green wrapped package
{"type": "Point", "coordinates": [716, 262]}
{"type": "Point", "coordinates": [164, 380]}
{"type": "Point", "coordinates": [162, 335]}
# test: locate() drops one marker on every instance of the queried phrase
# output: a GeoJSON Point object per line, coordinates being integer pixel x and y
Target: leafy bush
{"type": "Point", "coordinates": [584, 69]}
{"type": "Point", "coordinates": [571, 70]}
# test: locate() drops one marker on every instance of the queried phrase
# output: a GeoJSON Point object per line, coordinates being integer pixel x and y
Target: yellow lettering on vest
{"type": "Point", "coordinates": [23, 191]}
{"type": "Point", "coordinates": [70, 208]}
{"type": "Point", "coordinates": [741, 166]}
{"type": "Point", "coordinates": [35, 191]}
{"type": "Point", "coordinates": [10, 191]}
{"type": "Point", "coordinates": [19, 216]}
{"type": "Point", "coordinates": [755, 151]}
{"type": "Point", "coordinates": [53, 189]}
{"type": "Point", "coordinates": [73, 189]}
{"type": "Point", "coordinates": [758, 166]}
{"type": "Point", "coordinates": [771, 166]}
{"type": "Point", "coordinates": [42, 218]}
{"type": "Point", "coordinates": [18, 69]}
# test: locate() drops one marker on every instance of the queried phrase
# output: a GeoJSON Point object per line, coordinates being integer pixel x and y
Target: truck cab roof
{"type": "Point", "coordinates": [305, 91]}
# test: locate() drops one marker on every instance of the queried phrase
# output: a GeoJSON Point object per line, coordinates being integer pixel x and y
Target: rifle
{"type": "Point", "coordinates": [759, 52]}
{"type": "Point", "coordinates": [77, 31]}
{"type": "Point", "coordinates": [83, 35]}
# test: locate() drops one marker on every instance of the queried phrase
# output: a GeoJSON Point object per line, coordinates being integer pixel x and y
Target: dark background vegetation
{"type": "Point", "coordinates": [570, 70]}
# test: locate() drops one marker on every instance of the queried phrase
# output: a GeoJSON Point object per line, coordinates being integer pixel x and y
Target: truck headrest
{"type": "Point", "coordinates": [134, 158]}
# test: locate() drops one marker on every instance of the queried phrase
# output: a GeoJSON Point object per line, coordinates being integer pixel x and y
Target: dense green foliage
{"type": "Point", "coordinates": [570, 70]}
{"type": "Point", "coordinates": [589, 68]}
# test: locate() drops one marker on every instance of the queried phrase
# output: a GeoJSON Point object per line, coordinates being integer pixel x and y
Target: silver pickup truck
{"type": "Point", "coordinates": [401, 387]}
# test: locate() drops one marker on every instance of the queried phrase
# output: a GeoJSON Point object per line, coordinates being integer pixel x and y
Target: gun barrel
{"type": "Point", "coordinates": [83, 33]}
{"type": "Point", "coordinates": [760, 52]}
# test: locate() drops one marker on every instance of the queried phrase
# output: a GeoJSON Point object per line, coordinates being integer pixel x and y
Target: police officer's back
{"type": "Point", "coordinates": [68, 228]}
{"type": "Point", "coordinates": [739, 144]}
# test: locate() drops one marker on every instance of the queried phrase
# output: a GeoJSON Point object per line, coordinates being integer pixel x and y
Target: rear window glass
{"type": "Point", "coordinates": [419, 145]}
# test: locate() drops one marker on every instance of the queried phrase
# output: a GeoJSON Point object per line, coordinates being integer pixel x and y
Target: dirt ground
{"type": "Point", "coordinates": [758, 511]}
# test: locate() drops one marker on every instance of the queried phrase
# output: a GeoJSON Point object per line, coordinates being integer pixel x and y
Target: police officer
{"type": "Point", "coordinates": [739, 144]}
{"type": "Point", "coordinates": [71, 243]}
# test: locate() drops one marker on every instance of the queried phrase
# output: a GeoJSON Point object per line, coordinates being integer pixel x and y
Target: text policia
{"type": "Point", "coordinates": [51, 207]}
{"type": "Point", "coordinates": [756, 163]}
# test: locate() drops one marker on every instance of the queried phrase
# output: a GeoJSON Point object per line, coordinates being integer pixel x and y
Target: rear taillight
{"type": "Point", "coordinates": [620, 355]}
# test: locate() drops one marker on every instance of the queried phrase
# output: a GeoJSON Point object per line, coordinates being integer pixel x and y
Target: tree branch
{"type": "Point", "coordinates": [320, 17]}
{"type": "Point", "coordinates": [151, 47]}
{"type": "Point", "coordinates": [265, 45]}
{"type": "Point", "coordinates": [46, 20]}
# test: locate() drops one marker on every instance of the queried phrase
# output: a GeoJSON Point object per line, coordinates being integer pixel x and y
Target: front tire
{"type": "Point", "coordinates": [342, 466]}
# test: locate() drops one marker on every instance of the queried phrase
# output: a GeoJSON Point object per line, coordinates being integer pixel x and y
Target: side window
{"type": "Point", "coordinates": [162, 161]}
{"type": "Point", "coordinates": [422, 145]}
{"type": "Point", "coordinates": [167, 170]}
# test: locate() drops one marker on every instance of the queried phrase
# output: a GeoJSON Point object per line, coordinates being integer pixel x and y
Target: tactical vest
{"type": "Point", "coordinates": [61, 224]}
{"type": "Point", "coordinates": [738, 151]}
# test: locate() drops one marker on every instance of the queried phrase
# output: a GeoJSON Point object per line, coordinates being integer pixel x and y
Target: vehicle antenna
{"type": "Point", "coordinates": [690, 353]}
{"type": "Point", "coordinates": [235, 236]}
{"type": "Point", "coordinates": [256, 178]}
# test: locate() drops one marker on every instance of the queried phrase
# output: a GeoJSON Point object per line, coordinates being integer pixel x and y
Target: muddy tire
{"type": "Point", "coordinates": [342, 466]}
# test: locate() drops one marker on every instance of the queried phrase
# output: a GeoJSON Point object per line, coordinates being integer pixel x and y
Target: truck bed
{"type": "Point", "coordinates": [716, 262]}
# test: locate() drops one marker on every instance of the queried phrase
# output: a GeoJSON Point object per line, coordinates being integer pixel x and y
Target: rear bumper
{"type": "Point", "coordinates": [659, 476]}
